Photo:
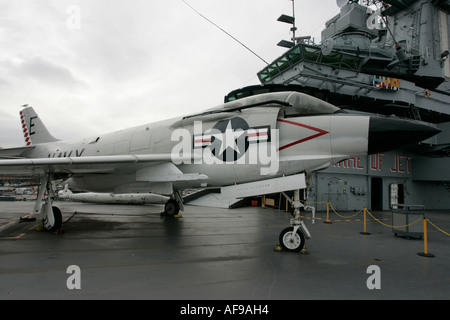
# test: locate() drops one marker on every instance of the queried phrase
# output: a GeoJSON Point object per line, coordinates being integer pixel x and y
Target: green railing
{"type": "Point", "coordinates": [303, 52]}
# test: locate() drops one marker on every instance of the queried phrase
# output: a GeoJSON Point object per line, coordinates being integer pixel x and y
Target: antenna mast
{"type": "Point", "coordinates": [294, 28]}
{"type": "Point", "coordinates": [291, 20]}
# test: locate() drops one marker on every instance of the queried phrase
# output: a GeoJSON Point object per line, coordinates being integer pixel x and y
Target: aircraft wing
{"type": "Point", "coordinates": [148, 167]}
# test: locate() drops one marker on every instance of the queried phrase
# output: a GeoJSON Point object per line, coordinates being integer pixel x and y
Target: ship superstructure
{"type": "Point", "coordinates": [383, 57]}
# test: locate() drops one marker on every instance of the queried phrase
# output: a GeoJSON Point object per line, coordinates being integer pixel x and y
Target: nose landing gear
{"type": "Point", "coordinates": [292, 239]}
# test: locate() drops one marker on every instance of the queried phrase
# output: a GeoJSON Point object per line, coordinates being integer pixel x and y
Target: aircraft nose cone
{"type": "Point", "coordinates": [387, 134]}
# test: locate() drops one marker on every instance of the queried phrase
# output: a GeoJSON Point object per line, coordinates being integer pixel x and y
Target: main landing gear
{"type": "Point", "coordinates": [51, 216]}
{"type": "Point", "coordinates": [173, 206]}
{"type": "Point", "coordinates": [292, 238]}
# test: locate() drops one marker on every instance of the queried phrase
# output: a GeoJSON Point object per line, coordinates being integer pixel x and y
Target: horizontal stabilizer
{"type": "Point", "coordinates": [14, 153]}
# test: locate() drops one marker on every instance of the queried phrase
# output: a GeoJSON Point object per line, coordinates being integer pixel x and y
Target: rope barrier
{"type": "Point", "coordinates": [425, 253]}
{"type": "Point", "coordinates": [345, 217]}
{"type": "Point", "coordinates": [389, 226]}
{"type": "Point", "coordinates": [425, 241]}
{"type": "Point", "coordinates": [410, 224]}
{"type": "Point", "coordinates": [439, 229]}
{"type": "Point", "coordinates": [365, 224]}
{"type": "Point", "coordinates": [365, 210]}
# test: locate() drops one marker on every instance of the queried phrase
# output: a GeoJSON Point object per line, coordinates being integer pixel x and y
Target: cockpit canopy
{"type": "Point", "coordinates": [303, 104]}
{"type": "Point", "coordinates": [294, 103]}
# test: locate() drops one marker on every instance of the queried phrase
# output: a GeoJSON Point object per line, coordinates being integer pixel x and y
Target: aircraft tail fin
{"type": "Point", "coordinates": [34, 130]}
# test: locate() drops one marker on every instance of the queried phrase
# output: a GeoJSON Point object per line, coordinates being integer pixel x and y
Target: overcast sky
{"type": "Point", "coordinates": [96, 66]}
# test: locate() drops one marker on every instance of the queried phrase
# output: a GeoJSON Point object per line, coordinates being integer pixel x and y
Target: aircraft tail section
{"type": "Point", "coordinates": [34, 130]}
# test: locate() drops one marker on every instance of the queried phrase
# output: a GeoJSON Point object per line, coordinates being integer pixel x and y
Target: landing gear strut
{"type": "Point", "coordinates": [51, 216]}
{"type": "Point", "coordinates": [173, 205]}
{"type": "Point", "coordinates": [292, 239]}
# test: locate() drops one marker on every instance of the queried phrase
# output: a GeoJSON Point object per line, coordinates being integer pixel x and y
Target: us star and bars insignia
{"type": "Point", "coordinates": [229, 139]}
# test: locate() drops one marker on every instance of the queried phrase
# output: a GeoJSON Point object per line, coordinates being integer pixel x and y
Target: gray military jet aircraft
{"type": "Point", "coordinates": [256, 145]}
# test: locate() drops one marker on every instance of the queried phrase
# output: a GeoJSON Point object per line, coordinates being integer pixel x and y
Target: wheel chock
{"type": "Point", "coordinates": [27, 219]}
{"type": "Point", "coordinates": [165, 215]}
{"type": "Point", "coordinates": [278, 248]}
{"type": "Point", "coordinates": [58, 231]}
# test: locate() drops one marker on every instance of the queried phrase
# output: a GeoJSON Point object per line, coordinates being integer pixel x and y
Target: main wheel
{"type": "Point", "coordinates": [54, 222]}
{"type": "Point", "coordinates": [171, 207]}
{"type": "Point", "coordinates": [290, 241]}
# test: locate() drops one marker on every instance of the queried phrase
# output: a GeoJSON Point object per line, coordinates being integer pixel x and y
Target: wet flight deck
{"type": "Point", "coordinates": [131, 252]}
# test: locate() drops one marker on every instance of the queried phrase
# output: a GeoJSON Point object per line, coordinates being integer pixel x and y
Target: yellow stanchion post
{"type": "Point", "coordinates": [365, 223]}
{"type": "Point", "coordinates": [425, 241]}
{"type": "Point", "coordinates": [328, 213]}
{"type": "Point", "coordinates": [264, 202]}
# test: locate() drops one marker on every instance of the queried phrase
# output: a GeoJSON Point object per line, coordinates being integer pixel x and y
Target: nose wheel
{"type": "Point", "coordinates": [292, 239]}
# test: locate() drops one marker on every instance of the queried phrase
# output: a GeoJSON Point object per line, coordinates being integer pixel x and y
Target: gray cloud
{"type": "Point", "coordinates": [133, 62]}
{"type": "Point", "coordinates": [45, 73]}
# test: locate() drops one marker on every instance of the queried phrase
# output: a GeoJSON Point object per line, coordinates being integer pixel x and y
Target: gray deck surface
{"type": "Point", "coordinates": [131, 252]}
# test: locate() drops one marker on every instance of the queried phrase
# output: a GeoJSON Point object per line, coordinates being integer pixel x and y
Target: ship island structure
{"type": "Point", "coordinates": [381, 57]}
